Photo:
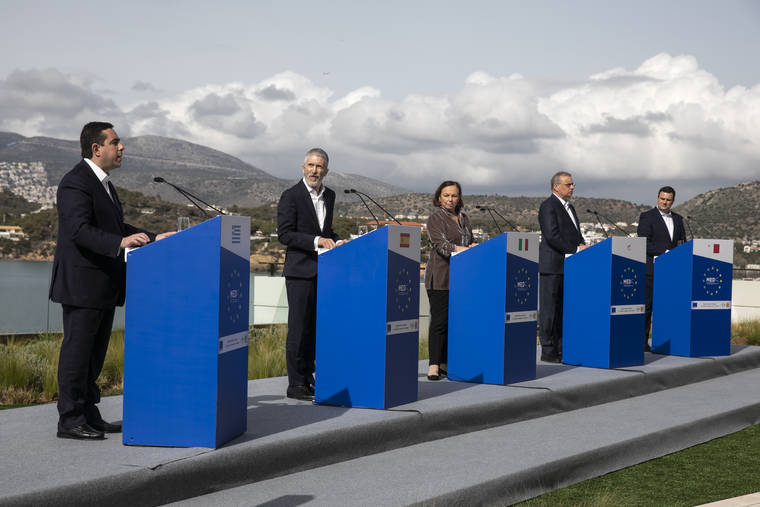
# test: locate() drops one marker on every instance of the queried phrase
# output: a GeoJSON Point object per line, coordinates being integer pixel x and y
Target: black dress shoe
{"type": "Point", "coordinates": [300, 393]}
{"type": "Point", "coordinates": [106, 427]}
{"type": "Point", "coordinates": [550, 357]}
{"type": "Point", "coordinates": [81, 432]}
{"type": "Point", "coordinates": [434, 377]}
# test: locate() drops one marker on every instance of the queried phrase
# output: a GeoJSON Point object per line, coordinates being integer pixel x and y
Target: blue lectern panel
{"type": "Point", "coordinates": [402, 340]}
{"type": "Point", "coordinates": [586, 312]}
{"type": "Point", "coordinates": [232, 395]}
{"type": "Point", "coordinates": [166, 401]}
{"type": "Point", "coordinates": [520, 321]}
{"type": "Point", "coordinates": [628, 293]}
{"type": "Point", "coordinates": [477, 279]}
{"type": "Point", "coordinates": [671, 301]}
{"type": "Point", "coordinates": [691, 312]}
{"type": "Point", "coordinates": [711, 307]}
{"type": "Point", "coordinates": [351, 322]}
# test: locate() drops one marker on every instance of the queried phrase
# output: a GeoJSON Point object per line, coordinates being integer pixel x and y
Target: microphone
{"type": "Point", "coordinates": [616, 226]}
{"type": "Point", "coordinates": [190, 197]}
{"type": "Point", "coordinates": [354, 191]}
{"type": "Point", "coordinates": [377, 222]}
{"type": "Point", "coordinates": [598, 220]}
{"type": "Point", "coordinates": [486, 208]}
{"type": "Point", "coordinates": [709, 232]}
{"type": "Point", "coordinates": [513, 226]}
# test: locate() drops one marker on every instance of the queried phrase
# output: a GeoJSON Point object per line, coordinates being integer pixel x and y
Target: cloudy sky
{"type": "Point", "coordinates": [627, 95]}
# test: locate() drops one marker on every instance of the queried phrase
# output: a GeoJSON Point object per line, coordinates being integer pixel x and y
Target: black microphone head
{"type": "Point", "coordinates": [690, 217]}
{"type": "Point", "coordinates": [159, 179]}
{"type": "Point", "coordinates": [351, 190]}
{"type": "Point", "coordinates": [590, 211]}
{"type": "Point", "coordinates": [481, 207]}
{"type": "Point", "coordinates": [346, 191]}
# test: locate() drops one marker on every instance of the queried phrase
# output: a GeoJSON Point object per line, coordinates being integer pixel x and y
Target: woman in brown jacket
{"type": "Point", "coordinates": [449, 231]}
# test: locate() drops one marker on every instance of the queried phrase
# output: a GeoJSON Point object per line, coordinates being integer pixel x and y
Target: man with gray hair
{"type": "Point", "coordinates": [304, 225]}
{"type": "Point", "coordinates": [560, 236]}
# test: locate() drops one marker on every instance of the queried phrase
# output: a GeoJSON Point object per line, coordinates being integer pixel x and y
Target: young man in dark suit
{"type": "Point", "coordinates": [560, 235]}
{"type": "Point", "coordinates": [664, 231]}
{"type": "Point", "coordinates": [89, 278]}
{"type": "Point", "coordinates": [304, 225]}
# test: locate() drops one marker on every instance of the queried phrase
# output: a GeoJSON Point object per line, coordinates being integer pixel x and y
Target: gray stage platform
{"type": "Point", "coordinates": [459, 443]}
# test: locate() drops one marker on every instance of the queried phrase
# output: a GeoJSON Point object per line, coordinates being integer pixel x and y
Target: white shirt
{"type": "Point", "coordinates": [668, 218]}
{"type": "Point", "coordinates": [102, 176]}
{"type": "Point", "coordinates": [318, 200]}
{"type": "Point", "coordinates": [567, 209]}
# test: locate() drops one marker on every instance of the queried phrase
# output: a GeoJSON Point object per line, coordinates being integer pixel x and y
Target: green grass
{"type": "Point", "coordinates": [722, 468]}
{"type": "Point", "coordinates": [746, 332]}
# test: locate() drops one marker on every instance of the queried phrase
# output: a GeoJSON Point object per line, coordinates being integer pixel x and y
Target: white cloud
{"type": "Point", "coordinates": [668, 119]}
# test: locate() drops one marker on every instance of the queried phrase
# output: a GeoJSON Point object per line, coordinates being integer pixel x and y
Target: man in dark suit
{"type": "Point", "coordinates": [664, 231]}
{"type": "Point", "coordinates": [89, 278]}
{"type": "Point", "coordinates": [560, 236]}
{"type": "Point", "coordinates": [304, 225]}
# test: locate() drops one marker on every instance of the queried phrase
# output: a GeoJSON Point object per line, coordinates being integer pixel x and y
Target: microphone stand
{"type": "Point", "coordinates": [702, 226]}
{"type": "Point", "coordinates": [686, 221]}
{"type": "Point", "coordinates": [616, 226]}
{"type": "Point", "coordinates": [492, 217]}
{"type": "Point", "coordinates": [354, 191]}
{"type": "Point", "coordinates": [189, 196]}
{"type": "Point", "coordinates": [513, 226]}
{"type": "Point", "coordinates": [377, 222]}
{"type": "Point", "coordinates": [598, 220]}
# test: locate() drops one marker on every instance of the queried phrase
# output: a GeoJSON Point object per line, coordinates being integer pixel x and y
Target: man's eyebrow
{"type": "Point", "coordinates": [115, 140]}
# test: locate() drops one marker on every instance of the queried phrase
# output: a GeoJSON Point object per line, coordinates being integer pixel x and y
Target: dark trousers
{"type": "Point", "coordinates": [302, 330]}
{"type": "Point", "coordinates": [438, 331]}
{"type": "Point", "coordinates": [648, 307]}
{"type": "Point", "coordinates": [86, 332]}
{"type": "Point", "coordinates": [550, 289]}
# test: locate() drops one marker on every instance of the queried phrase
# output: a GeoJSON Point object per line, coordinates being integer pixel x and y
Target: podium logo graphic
{"type": "Point", "coordinates": [236, 234]}
{"type": "Point", "coordinates": [629, 283]}
{"type": "Point", "coordinates": [403, 289]}
{"type": "Point", "coordinates": [712, 280]}
{"type": "Point", "coordinates": [523, 284]}
{"type": "Point", "coordinates": [404, 240]}
{"type": "Point", "coordinates": [234, 296]}
{"type": "Point", "coordinates": [522, 244]}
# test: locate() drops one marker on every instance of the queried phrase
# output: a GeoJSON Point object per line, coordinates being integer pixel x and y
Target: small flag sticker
{"type": "Point", "coordinates": [716, 248]}
{"type": "Point", "coordinates": [404, 241]}
{"type": "Point", "coordinates": [522, 244]}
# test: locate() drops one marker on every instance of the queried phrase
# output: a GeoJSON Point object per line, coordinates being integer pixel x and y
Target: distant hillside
{"type": "Point", "coordinates": [732, 212]}
{"type": "Point", "coordinates": [523, 211]}
{"type": "Point", "coordinates": [216, 177]}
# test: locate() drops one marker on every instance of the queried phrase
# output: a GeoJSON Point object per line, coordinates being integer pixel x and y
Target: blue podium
{"type": "Point", "coordinates": [368, 307]}
{"type": "Point", "coordinates": [603, 314]}
{"type": "Point", "coordinates": [493, 301]}
{"type": "Point", "coordinates": [691, 307]}
{"type": "Point", "coordinates": [186, 337]}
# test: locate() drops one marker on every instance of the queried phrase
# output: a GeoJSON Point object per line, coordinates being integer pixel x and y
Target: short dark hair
{"type": "Point", "coordinates": [437, 195]}
{"type": "Point", "coordinates": [318, 152]}
{"type": "Point", "coordinates": [92, 133]}
{"type": "Point", "coordinates": [668, 190]}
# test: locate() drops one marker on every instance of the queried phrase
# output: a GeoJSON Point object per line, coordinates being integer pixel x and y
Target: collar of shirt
{"type": "Point", "coordinates": [313, 192]}
{"type": "Point", "coordinates": [103, 176]}
{"type": "Point", "coordinates": [564, 202]}
{"type": "Point", "coordinates": [669, 214]}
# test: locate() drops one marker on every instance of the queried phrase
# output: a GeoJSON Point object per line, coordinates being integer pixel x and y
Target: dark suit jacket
{"type": "Point", "coordinates": [87, 268]}
{"type": "Point", "coordinates": [558, 236]}
{"type": "Point", "coordinates": [297, 226]}
{"type": "Point", "coordinates": [652, 226]}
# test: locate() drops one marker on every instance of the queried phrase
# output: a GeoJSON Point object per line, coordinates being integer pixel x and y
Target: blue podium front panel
{"type": "Point", "coordinates": [603, 314]}
{"type": "Point", "coordinates": [691, 310]}
{"type": "Point", "coordinates": [368, 320]}
{"type": "Point", "coordinates": [493, 295]}
{"type": "Point", "coordinates": [186, 339]}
